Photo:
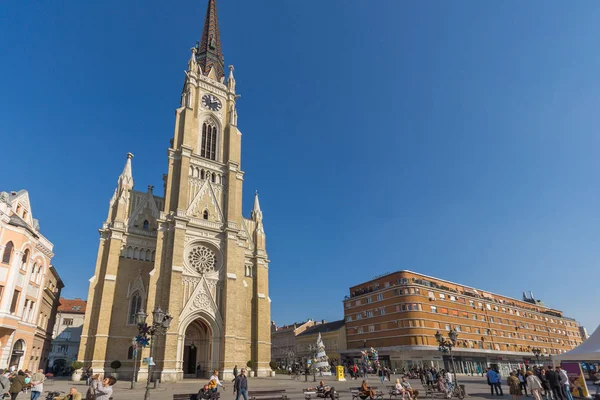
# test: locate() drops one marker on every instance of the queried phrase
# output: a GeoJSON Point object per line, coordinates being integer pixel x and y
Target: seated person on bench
{"type": "Point", "coordinates": [325, 391]}
{"type": "Point", "coordinates": [204, 392]}
{"type": "Point", "coordinates": [366, 391]}
{"type": "Point", "coordinates": [400, 390]}
{"type": "Point", "coordinates": [406, 385]}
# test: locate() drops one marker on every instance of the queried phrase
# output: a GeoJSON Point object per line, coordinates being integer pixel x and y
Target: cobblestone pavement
{"type": "Point", "coordinates": [476, 387]}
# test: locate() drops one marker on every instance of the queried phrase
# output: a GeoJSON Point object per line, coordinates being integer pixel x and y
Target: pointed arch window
{"type": "Point", "coordinates": [208, 147]}
{"type": "Point", "coordinates": [135, 305]}
{"type": "Point", "coordinates": [24, 260]}
{"type": "Point", "coordinates": [146, 225]}
{"type": "Point", "coordinates": [130, 353]}
{"type": "Point", "coordinates": [7, 255]}
{"type": "Point", "coordinates": [205, 214]}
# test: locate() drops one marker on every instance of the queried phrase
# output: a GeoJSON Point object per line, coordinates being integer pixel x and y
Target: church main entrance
{"type": "Point", "coordinates": [197, 350]}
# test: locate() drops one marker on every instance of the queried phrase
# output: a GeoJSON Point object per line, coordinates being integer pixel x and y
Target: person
{"type": "Point", "coordinates": [564, 382]}
{"type": "Point", "coordinates": [366, 391]}
{"type": "Point", "coordinates": [429, 377]}
{"type": "Point", "coordinates": [522, 381]}
{"type": "Point", "coordinates": [214, 382]}
{"type": "Point", "coordinates": [440, 385]}
{"type": "Point", "coordinates": [204, 392]}
{"type": "Point", "coordinates": [235, 371]}
{"type": "Point", "coordinates": [93, 382]}
{"type": "Point", "coordinates": [17, 385]}
{"type": "Point", "coordinates": [240, 385]}
{"type": "Point", "coordinates": [535, 385]}
{"type": "Point", "coordinates": [37, 381]}
{"type": "Point", "coordinates": [545, 385]}
{"type": "Point", "coordinates": [354, 372]}
{"type": "Point", "coordinates": [103, 391]}
{"type": "Point", "coordinates": [4, 383]}
{"type": "Point", "coordinates": [198, 370]}
{"type": "Point", "coordinates": [400, 389]}
{"type": "Point", "coordinates": [554, 382]}
{"type": "Point", "coordinates": [73, 395]}
{"type": "Point", "coordinates": [88, 375]}
{"type": "Point", "coordinates": [479, 370]}
{"type": "Point", "coordinates": [325, 391]}
{"type": "Point", "coordinates": [381, 374]}
{"type": "Point", "coordinates": [514, 386]}
{"type": "Point", "coordinates": [494, 381]}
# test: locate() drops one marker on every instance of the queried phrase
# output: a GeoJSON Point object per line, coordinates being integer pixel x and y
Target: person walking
{"type": "Point", "coordinates": [494, 381]}
{"type": "Point", "coordinates": [545, 385]}
{"type": "Point", "coordinates": [535, 385]}
{"type": "Point", "coordinates": [381, 374]}
{"type": "Point", "coordinates": [554, 382]}
{"type": "Point", "coordinates": [17, 385]}
{"type": "Point", "coordinates": [522, 381]}
{"type": "Point", "coordinates": [514, 386]}
{"type": "Point", "coordinates": [4, 383]}
{"type": "Point", "coordinates": [240, 385]}
{"type": "Point", "coordinates": [564, 383]}
{"type": "Point", "coordinates": [37, 382]}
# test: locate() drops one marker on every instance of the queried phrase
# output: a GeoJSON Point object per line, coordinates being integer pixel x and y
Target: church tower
{"type": "Point", "coordinates": [192, 252]}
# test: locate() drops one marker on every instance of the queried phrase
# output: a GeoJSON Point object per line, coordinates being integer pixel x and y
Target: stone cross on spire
{"type": "Point", "coordinates": [209, 55]}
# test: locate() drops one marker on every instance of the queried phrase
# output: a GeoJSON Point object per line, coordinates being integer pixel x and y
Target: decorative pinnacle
{"type": "Point", "coordinates": [129, 156]}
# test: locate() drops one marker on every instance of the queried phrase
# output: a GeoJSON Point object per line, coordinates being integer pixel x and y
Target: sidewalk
{"type": "Point", "coordinates": [476, 387]}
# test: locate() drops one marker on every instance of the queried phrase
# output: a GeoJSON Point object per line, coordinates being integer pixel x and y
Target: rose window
{"type": "Point", "coordinates": [202, 259]}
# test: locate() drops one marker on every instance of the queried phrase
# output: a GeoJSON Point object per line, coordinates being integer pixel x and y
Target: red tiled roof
{"type": "Point", "coordinates": [72, 305]}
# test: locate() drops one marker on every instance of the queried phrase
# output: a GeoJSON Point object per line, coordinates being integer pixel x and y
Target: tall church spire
{"type": "Point", "coordinates": [126, 177]}
{"type": "Point", "coordinates": [209, 55]}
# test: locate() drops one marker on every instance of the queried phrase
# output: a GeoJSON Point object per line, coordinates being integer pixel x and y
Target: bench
{"type": "Point", "coordinates": [356, 395]}
{"type": "Point", "coordinates": [309, 393]}
{"type": "Point", "coordinates": [431, 391]}
{"type": "Point", "coordinates": [194, 396]}
{"type": "Point", "coordinates": [267, 395]}
{"type": "Point", "coordinates": [393, 393]}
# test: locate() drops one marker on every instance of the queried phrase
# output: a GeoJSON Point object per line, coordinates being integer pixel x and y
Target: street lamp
{"type": "Point", "coordinates": [160, 325]}
{"type": "Point", "coordinates": [537, 352]}
{"type": "Point", "coordinates": [445, 346]}
{"type": "Point", "coordinates": [134, 345]}
{"type": "Point", "coordinates": [313, 349]}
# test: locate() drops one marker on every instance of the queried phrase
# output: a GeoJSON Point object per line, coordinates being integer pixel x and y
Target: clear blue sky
{"type": "Point", "coordinates": [456, 139]}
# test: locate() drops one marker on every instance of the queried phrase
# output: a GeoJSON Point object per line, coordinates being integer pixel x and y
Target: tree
{"type": "Point", "coordinates": [77, 365]}
{"type": "Point", "coordinates": [273, 365]}
{"type": "Point", "coordinates": [115, 365]}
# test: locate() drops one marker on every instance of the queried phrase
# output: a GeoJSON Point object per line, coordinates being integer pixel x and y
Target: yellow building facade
{"type": "Point", "coordinates": [190, 252]}
{"type": "Point", "coordinates": [333, 335]}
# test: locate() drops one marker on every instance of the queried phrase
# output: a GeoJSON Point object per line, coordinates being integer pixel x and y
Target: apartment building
{"type": "Point", "coordinates": [333, 335]}
{"type": "Point", "coordinates": [67, 334]}
{"type": "Point", "coordinates": [399, 314]}
{"type": "Point", "coordinates": [283, 341]}
{"type": "Point", "coordinates": [29, 285]}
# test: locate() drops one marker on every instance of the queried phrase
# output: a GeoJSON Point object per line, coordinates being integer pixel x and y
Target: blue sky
{"type": "Point", "coordinates": [456, 139]}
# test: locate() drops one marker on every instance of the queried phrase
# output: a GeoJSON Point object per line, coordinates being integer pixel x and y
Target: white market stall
{"type": "Point", "coordinates": [586, 351]}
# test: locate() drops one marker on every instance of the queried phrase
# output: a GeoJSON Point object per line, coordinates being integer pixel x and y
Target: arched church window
{"type": "Point", "coordinates": [213, 178]}
{"type": "Point", "coordinates": [24, 259]}
{"type": "Point", "coordinates": [134, 306]}
{"type": "Point", "coordinates": [146, 224]}
{"type": "Point", "coordinates": [202, 174]}
{"type": "Point", "coordinates": [8, 249]}
{"type": "Point", "coordinates": [205, 214]}
{"type": "Point", "coordinates": [130, 353]}
{"type": "Point", "coordinates": [208, 148]}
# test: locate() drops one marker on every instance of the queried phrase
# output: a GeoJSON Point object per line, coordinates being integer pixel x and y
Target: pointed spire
{"type": "Point", "coordinates": [231, 80]}
{"type": "Point", "coordinates": [126, 177]}
{"type": "Point", "coordinates": [210, 56]}
{"type": "Point", "coordinates": [256, 211]}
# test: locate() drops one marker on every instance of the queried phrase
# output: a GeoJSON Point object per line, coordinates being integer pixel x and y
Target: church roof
{"type": "Point", "coordinates": [209, 54]}
{"type": "Point", "coordinates": [326, 327]}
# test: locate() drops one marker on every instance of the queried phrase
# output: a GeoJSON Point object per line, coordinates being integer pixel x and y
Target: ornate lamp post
{"type": "Point", "coordinates": [445, 346]}
{"type": "Point", "coordinates": [134, 344]}
{"type": "Point", "coordinates": [313, 349]}
{"type": "Point", "coordinates": [160, 325]}
{"type": "Point", "coordinates": [537, 352]}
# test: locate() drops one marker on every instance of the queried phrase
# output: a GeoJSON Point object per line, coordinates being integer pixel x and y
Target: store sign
{"type": "Point", "coordinates": [18, 353]}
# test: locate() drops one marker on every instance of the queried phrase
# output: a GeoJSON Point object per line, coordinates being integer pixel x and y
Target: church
{"type": "Point", "coordinates": [191, 252]}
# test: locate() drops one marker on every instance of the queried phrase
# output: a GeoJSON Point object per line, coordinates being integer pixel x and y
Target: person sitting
{"type": "Point", "coordinates": [399, 390]}
{"type": "Point", "coordinates": [366, 391]}
{"type": "Point", "coordinates": [204, 392]}
{"type": "Point", "coordinates": [406, 385]}
{"type": "Point", "coordinates": [73, 395]}
{"type": "Point", "coordinates": [441, 386]}
{"type": "Point", "coordinates": [325, 391]}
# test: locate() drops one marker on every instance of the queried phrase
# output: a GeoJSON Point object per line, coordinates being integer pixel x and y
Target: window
{"type": "Point", "coordinates": [431, 295]}
{"type": "Point", "coordinates": [380, 296]}
{"type": "Point", "coordinates": [452, 298]}
{"type": "Point", "coordinates": [63, 348]}
{"type": "Point", "coordinates": [15, 302]}
{"type": "Point", "coordinates": [433, 309]}
{"type": "Point", "coordinates": [358, 316]}
{"type": "Point", "coordinates": [130, 353]}
{"type": "Point", "coordinates": [360, 329]}
{"type": "Point", "coordinates": [369, 300]}
{"type": "Point", "coordinates": [6, 256]}
{"type": "Point", "coordinates": [349, 318]}
{"type": "Point", "coordinates": [146, 225]}
{"type": "Point", "coordinates": [134, 307]}
{"type": "Point", "coordinates": [66, 335]}
{"type": "Point", "coordinates": [24, 259]}
{"type": "Point", "coordinates": [208, 147]}
{"type": "Point", "coordinates": [382, 311]}
{"type": "Point", "coordinates": [369, 313]}
{"type": "Point", "coordinates": [371, 328]}
{"type": "Point", "coordinates": [205, 214]}
{"type": "Point", "coordinates": [447, 327]}
{"type": "Point", "coordinates": [68, 321]}
{"type": "Point", "coordinates": [442, 296]}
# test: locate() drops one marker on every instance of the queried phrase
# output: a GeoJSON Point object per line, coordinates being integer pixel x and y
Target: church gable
{"type": "Point", "coordinates": [145, 213]}
{"type": "Point", "coordinates": [205, 204]}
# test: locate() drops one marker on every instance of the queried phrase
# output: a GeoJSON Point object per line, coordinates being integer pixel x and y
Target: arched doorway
{"type": "Point", "coordinates": [16, 356]}
{"type": "Point", "coordinates": [197, 350]}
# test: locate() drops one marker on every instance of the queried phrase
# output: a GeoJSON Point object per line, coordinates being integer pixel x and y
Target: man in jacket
{"type": "Point", "coordinates": [37, 382]}
{"type": "Point", "coordinates": [564, 383]}
{"type": "Point", "coordinates": [240, 385]}
{"type": "Point", "coordinates": [494, 381]}
{"type": "Point", "coordinates": [554, 382]}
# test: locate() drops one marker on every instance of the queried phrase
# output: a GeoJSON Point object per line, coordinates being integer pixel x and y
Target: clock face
{"type": "Point", "coordinates": [211, 102]}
